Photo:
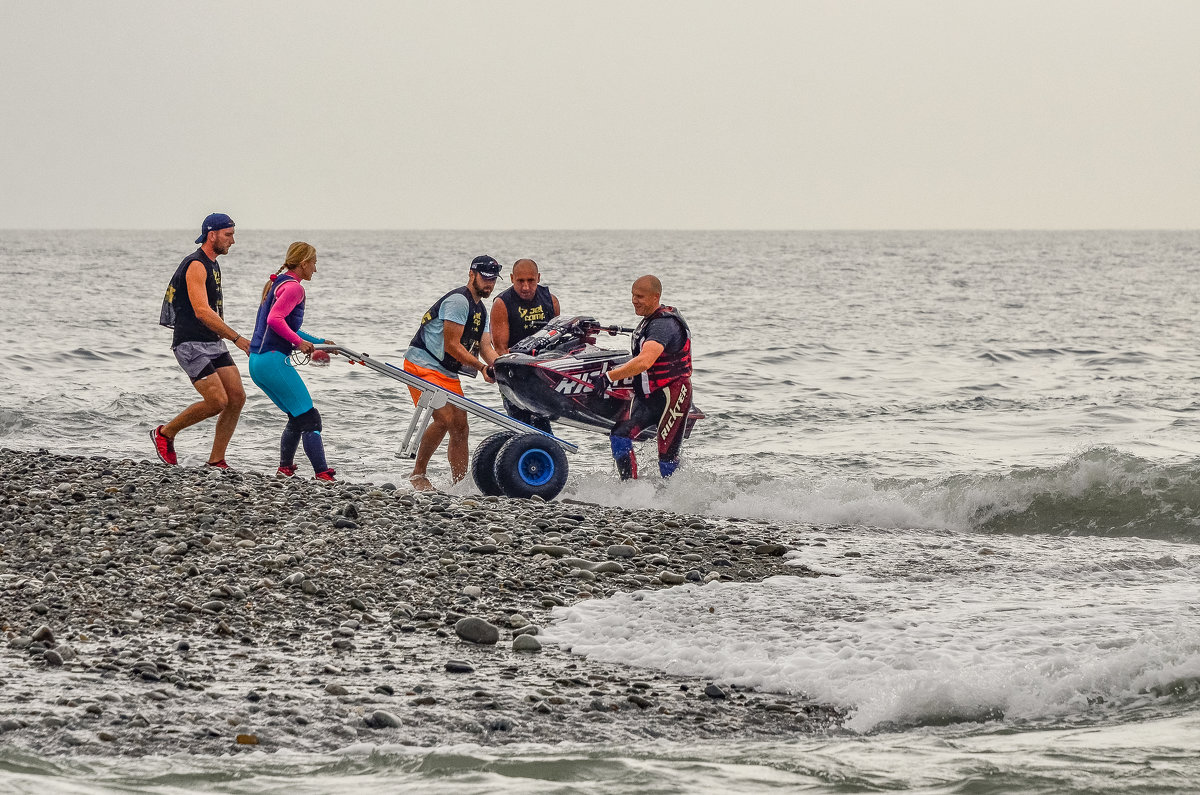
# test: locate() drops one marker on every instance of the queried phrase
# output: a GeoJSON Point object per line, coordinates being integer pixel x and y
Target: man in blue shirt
{"type": "Point", "coordinates": [454, 334]}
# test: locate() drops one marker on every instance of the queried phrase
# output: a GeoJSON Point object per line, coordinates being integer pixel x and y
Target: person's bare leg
{"type": "Point", "coordinates": [235, 393]}
{"type": "Point", "coordinates": [458, 451]}
{"type": "Point", "coordinates": [430, 441]}
{"type": "Point", "coordinates": [215, 399]}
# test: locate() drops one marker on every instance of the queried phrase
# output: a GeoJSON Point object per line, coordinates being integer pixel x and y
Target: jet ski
{"type": "Point", "coordinates": [547, 374]}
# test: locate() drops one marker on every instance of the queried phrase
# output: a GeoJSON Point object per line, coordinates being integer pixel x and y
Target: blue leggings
{"type": "Point", "coordinates": [275, 375]}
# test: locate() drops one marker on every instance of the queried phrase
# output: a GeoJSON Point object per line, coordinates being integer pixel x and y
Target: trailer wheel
{"type": "Point", "coordinates": [483, 463]}
{"type": "Point", "coordinates": [531, 465]}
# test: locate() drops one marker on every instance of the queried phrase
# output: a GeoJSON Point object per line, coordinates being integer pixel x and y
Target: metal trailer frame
{"type": "Point", "coordinates": [434, 397]}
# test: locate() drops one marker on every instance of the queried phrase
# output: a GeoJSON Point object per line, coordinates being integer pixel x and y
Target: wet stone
{"type": "Point", "coordinates": [476, 630]}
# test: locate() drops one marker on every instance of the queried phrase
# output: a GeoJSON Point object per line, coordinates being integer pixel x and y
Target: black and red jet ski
{"type": "Point", "coordinates": [546, 373]}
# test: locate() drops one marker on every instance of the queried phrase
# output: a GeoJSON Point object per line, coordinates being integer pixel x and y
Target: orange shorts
{"type": "Point", "coordinates": [447, 382]}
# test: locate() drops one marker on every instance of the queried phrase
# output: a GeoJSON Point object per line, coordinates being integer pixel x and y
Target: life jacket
{"type": "Point", "coordinates": [671, 366]}
{"type": "Point", "coordinates": [265, 338]}
{"type": "Point", "coordinates": [525, 318]}
{"type": "Point", "coordinates": [472, 331]}
{"type": "Point", "coordinates": [177, 312]}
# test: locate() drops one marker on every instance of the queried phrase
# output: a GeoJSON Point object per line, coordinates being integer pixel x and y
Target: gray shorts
{"type": "Point", "coordinates": [201, 359]}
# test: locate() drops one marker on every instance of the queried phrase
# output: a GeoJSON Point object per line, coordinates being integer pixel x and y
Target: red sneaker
{"type": "Point", "coordinates": [326, 475]}
{"type": "Point", "coordinates": [163, 446]}
{"type": "Point", "coordinates": [286, 470]}
{"type": "Point", "coordinates": [218, 464]}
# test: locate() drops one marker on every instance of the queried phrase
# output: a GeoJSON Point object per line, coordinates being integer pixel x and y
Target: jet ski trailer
{"type": "Point", "coordinates": [518, 461]}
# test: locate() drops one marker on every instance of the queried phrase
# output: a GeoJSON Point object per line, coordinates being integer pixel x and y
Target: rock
{"type": "Point", "coordinates": [382, 719]}
{"type": "Point", "coordinates": [608, 567]}
{"type": "Point", "coordinates": [712, 691]}
{"type": "Point", "coordinates": [476, 630]}
{"type": "Point", "coordinates": [459, 667]}
{"type": "Point", "coordinates": [552, 551]}
{"type": "Point", "coordinates": [43, 634]}
{"type": "Point", "coordinates": [621, 551]}
{"type": "Point", "coordinates": [247, 739]}
{"type": "Point", "coordinates": [526, 643]}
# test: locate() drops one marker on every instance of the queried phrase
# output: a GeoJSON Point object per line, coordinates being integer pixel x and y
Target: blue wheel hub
{"type": "Point", "coordinates": [535, 467]}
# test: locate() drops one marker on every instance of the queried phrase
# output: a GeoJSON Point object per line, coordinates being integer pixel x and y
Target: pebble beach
{"type": "Point", "coordinates": [152, 610]}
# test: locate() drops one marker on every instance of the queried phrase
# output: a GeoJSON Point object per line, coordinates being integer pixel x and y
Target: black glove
{"type": "Point", "coordinates": [599, 382]}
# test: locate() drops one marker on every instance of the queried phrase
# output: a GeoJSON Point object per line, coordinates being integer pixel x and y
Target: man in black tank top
{"type": "Point", "coordinates": [194, 308]}
{"type": "Point", "coordinates": [517, 313]}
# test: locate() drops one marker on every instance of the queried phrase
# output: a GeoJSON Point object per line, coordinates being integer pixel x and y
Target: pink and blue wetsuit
{"type": "Point", "coordinates": [276, 334]}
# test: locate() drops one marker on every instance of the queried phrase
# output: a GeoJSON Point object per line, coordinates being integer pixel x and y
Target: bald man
{"type": "Point", "coordinates": [662, 371]}
{"type": "Point", "coordinates": [519, 312]}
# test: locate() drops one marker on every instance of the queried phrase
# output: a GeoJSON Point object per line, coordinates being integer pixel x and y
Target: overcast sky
{"type": "Point", "coordinates": [592, 115]}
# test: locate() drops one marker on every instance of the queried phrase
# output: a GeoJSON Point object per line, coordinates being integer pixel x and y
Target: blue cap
{"type": "Point", "coordinates": [487, 266]}
{"type": "Point", "coordinates": [213, 222]}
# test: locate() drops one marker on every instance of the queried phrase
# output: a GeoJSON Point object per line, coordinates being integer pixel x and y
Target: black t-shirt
{"type": "Point", "coordinates": [667, 333]}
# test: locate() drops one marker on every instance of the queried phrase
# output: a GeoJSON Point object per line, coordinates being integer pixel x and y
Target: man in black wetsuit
{"type": "Point", "coordinates": [517, 313]}
{"type": "Point", "coordinates": [194, 308]}
{"type": "Point", "coordinates": [661, 369]}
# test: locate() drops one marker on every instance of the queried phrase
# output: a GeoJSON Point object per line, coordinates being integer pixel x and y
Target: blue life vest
{"type": "Point", "coordinates": [265, 339]}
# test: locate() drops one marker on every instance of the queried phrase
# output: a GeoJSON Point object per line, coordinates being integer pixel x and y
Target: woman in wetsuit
{"type": "Point", "coordinates": [276, 334]}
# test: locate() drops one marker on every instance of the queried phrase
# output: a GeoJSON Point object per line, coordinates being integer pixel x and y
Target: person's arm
{"type": "Point", "coordinates": [198, 295]}
{"type": "Point", "coordinates": [287, 296]}
{"type": "Point", "coordinates": [489, 354]}
{"type": "Point", "coordinates": [650, 352]}
{"type": "Point", "coordinates": [499, 327]}
{"type": "Point", "coordinates": [304, 335]}
{"type": "Point", "coordinates": [557, 311]}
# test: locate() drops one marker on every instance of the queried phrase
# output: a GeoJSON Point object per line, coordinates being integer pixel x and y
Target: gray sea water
{"type": "Point", "coordinates": [989, 440]}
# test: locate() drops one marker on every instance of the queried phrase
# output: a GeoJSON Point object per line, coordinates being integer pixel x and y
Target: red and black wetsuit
{"type": "Point", "coordinates": [662, 394]}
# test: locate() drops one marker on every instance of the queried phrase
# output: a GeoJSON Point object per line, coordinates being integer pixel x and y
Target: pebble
{"type": "Point", "coordinates": [476, 630]}
{"type": "Point", "coordinates": [526, 643]}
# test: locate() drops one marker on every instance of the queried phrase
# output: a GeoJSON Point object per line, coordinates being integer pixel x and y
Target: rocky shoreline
{"type": "Point", "coordinates": [152, 610]}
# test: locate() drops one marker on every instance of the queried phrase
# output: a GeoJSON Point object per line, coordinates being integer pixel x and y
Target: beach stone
{"type": "Point", "coordinates": [551, 550]}
{"type": "Point", "coordinates": [621, 551]}
{"type": "Point", "coordinates": [473, 591]}
{"type": "Point", "coordinates": [516, 621]}
{"type": "Point", "coordinates": [459, 667]}
{"type": "Point", "coordinates": [476, 630]}
{"type": "Point", "coordinates": [578, 563]}
{"type": "Point", "coordinates": [52, 657]}
{"type": "Point", "coordinates": [774, 550]}
{"type": "Point", "coordinates": [712, 691]}
{"type": "Point", "coordinates": [382, 719]}
{"type": "Point", "coordinates": [43, 634]}
{"type": "Point", "coordinates": [336, 690]}
{"type": "Point", "coordinates": [526, 643]}
{"type": "Point", "coordinates": [671, 578]}
{"type": "Point", "coordinates": [608, 567]}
